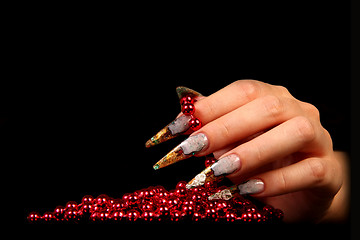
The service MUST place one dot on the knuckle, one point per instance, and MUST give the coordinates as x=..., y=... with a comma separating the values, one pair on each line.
x=283, y=90
x=304, y=129
x=273, y=105
x=283, y=185
x=312, y=110
x=318, y=170
x=224, y=129
x=249, y=88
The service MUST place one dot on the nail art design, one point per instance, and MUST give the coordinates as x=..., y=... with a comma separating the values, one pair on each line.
x=184, y=91
x=216, y=171
x=206, y=175
x=179, y=126
x=226, y=165
x=184, y=150
x=251, y=186
x=224, y=194
x=172, y=130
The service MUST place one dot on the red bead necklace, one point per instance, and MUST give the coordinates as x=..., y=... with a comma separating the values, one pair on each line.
x=156, y=204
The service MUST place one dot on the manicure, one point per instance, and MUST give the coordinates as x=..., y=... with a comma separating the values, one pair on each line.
x=172, y=130
x=226, y=165
x=184, y=150
x=216, y=171
x=251, y=186
x=179, y=126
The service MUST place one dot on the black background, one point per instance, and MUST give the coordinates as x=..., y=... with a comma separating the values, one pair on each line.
x=98, y=84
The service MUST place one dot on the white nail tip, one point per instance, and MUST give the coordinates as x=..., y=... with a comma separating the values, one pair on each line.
x=194, y=144
x=226, y=165
x=251, y=187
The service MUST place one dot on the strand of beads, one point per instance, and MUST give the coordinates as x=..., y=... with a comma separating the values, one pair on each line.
x=188, y=109
x=156, y=204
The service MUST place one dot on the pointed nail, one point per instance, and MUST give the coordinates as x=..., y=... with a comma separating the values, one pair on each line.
x=216, y=171
x=226, y=165
x=224, y=194
x=183, y=91
x=184, y=150
x=251, y=186
x=172, y=130
x=178, y=126
x=207, y=175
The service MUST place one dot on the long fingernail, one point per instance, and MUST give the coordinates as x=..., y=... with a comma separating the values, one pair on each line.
x=251, y=186
x=184, y=91
x=224, y=194
x=172, y=130
x=184, y=150
x=179, y=126
x=216, y=171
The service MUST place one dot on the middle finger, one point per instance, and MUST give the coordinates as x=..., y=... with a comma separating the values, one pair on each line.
x=255, y=116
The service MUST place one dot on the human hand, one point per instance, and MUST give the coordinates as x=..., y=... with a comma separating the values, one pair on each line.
x=260, y=132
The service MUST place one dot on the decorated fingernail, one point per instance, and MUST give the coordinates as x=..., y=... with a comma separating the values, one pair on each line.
x=224, y=194
x=172, y=130
x=184, y=150
x=251, y=186
x=216, y=171
x=180, y=125
x=184, y=91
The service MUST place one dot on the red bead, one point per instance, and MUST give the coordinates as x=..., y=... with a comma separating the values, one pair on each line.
x=159, y=189
x=148, y=215
x=132, y=215
x=186, y=100
x=181, y=192
x=197, y=216
x=33, y=217
x=48, y=217
x=209, y=161
x=103, y=216
x=163, y=210
x=71, y=205
x=87, y=199
x=230, y=216
x=187, y=208
x=176, y=215
x=117, y=215
x=195, y=124
x=181, y=185
x=59, y=212
x=188, y=109
x=86, y=208
x=147, y=206
x=71, y=214
x=210, y=186
x=211, y=212
x=101, y=200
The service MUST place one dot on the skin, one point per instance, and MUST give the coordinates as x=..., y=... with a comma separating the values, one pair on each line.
x=281, y=141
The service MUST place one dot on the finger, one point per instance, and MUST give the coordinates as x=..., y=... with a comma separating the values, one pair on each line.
x=257, y=116
x=277, y=143
x=295, y=135
x=311, y=173
x=218, y=153
x=212, y=107
x=180, y=125
x=230, y=98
